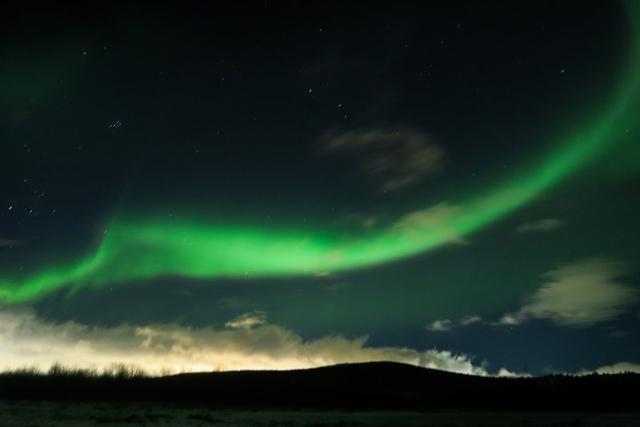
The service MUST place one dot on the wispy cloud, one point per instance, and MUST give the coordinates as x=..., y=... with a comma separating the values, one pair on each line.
x=445, y=325
x=541, y=225
x=442, y=325
x=361, y=220
x=434, y=220
x=7, y=243
x=579, y=294
x=470, y=320
x=247, y=320
x=26, y=340
x=396, y=158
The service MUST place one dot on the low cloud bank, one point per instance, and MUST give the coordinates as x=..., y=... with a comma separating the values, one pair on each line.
x=616, y=368
x=248, y=342
x=27, y=341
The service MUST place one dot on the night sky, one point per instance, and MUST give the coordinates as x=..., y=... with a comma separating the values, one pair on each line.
x=275, y=185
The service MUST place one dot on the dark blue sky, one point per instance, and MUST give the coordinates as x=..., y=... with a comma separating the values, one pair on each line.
x=324, y=115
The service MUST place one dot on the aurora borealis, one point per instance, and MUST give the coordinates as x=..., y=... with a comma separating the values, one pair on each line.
x=149, y=196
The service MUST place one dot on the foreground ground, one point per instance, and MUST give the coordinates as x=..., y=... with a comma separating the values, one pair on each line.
x=53, y=414
x=351, y=387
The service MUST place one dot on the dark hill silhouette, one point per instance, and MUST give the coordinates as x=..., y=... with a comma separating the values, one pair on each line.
x=350, y=386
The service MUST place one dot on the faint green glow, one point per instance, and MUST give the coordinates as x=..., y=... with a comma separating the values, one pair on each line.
x=134, y=250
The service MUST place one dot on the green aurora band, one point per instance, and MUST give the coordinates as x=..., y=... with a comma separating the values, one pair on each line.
x=137, y=250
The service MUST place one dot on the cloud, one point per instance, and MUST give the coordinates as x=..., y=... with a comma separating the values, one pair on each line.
x=432, y=221
x=247, y=320
x=26, y=340
x=396, y=158
x=542, y=225
x=361, y=220
x=445, y=325
x=505, y=373
x=511, y=319
x=579, y=294
x=470, y=320
x=7, y=243
x=616, y=368
x=440, y=325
